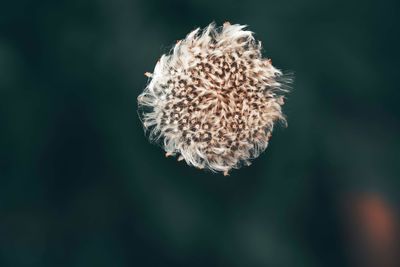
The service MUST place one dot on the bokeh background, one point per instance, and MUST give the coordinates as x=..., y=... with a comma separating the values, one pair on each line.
x=81, y=186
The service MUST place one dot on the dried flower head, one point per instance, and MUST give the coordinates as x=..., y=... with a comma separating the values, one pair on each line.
x=213, y=100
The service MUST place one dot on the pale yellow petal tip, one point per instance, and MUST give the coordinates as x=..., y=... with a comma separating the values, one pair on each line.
x=148, y=74
x=168, y=154
x=226, y=173
x=180, y=158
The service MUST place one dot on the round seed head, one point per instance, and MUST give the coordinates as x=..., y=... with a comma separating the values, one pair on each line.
x=213, y=100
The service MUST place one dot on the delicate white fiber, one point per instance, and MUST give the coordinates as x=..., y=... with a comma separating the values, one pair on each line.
x=213, y=100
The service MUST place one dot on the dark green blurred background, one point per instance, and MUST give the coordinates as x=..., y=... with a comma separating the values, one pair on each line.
x=81, y=186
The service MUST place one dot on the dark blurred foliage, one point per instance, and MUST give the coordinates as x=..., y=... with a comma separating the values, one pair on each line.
x=81, y=186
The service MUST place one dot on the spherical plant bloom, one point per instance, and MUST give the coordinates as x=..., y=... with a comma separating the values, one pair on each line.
x=213, y=100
